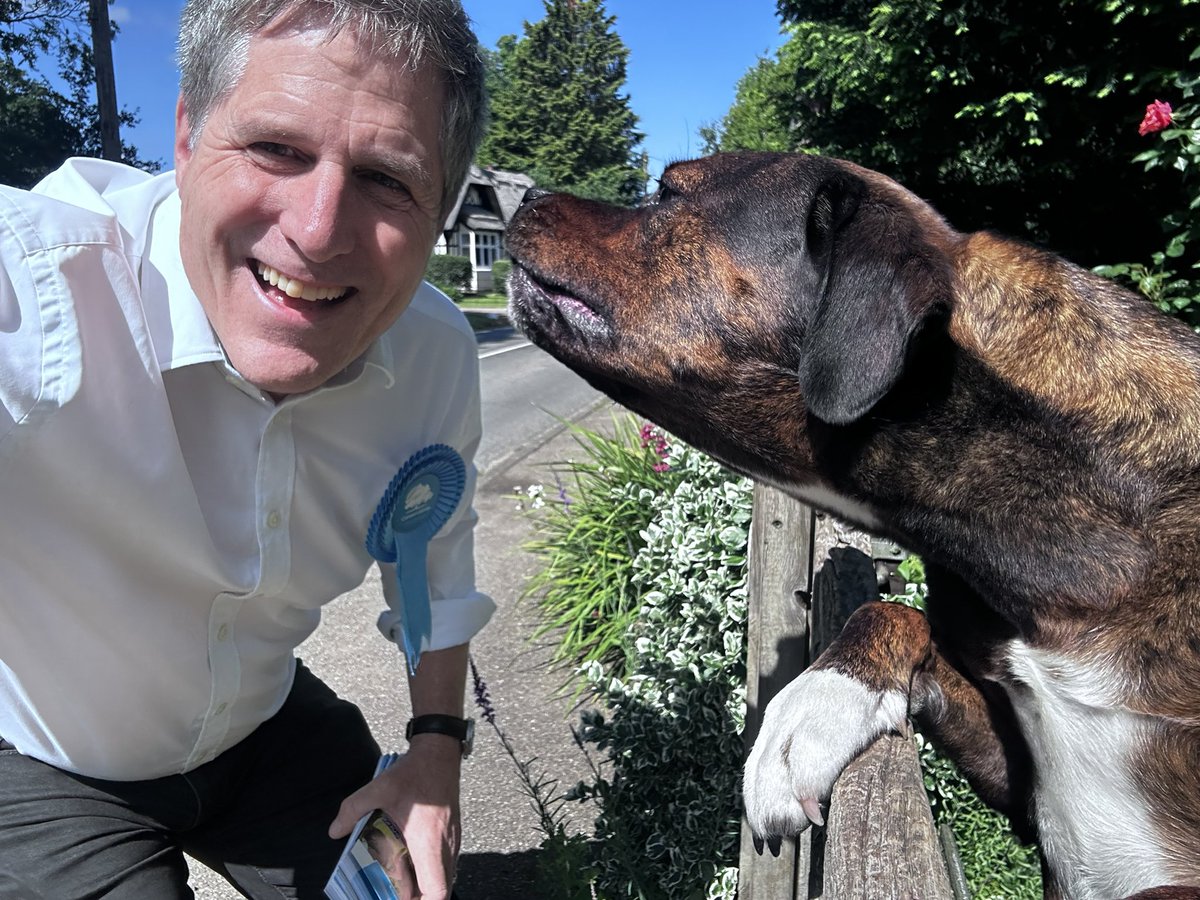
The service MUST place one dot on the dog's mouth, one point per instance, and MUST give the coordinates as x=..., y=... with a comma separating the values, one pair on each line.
x=550, y=314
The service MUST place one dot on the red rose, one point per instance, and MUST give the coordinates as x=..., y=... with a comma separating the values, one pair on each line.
x=1158, y=117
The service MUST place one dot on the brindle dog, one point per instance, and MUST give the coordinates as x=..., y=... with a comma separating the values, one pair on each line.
x=1031, y=429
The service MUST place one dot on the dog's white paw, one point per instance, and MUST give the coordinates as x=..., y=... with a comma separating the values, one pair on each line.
x=811, y=730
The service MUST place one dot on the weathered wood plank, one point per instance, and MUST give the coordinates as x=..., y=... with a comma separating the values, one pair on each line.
x=954, y=866
x=881, y=842
x=807, y=574
x=780, y=572
x=844, y=581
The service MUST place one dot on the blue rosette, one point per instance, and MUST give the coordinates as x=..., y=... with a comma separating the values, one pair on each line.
x=420, y=499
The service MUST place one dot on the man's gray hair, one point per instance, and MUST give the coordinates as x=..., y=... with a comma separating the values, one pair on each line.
x=214, y=39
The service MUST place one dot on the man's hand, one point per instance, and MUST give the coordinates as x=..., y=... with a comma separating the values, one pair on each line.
x=420, y=791
x=420, y=794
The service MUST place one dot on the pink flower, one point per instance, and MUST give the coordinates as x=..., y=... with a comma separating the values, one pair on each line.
x=656, y=441
x=1158, y=117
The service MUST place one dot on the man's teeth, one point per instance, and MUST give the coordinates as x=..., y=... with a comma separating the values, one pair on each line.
x=297, y=289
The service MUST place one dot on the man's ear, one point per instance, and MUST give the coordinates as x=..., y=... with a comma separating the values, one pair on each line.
x=183, y=138
x=879, y=281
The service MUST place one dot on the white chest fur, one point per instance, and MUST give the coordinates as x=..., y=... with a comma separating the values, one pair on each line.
x=1093, y=823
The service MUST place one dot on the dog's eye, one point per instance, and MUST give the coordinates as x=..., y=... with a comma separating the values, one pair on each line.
x=664, y=194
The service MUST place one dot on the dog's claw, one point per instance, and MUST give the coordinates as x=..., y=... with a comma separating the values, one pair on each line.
x=775, y=843
x=758, y=845
x=812, y=809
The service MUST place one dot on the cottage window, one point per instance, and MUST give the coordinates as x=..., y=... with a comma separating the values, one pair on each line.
x=487, y=249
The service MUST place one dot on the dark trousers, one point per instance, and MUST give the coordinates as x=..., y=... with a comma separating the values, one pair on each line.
x=258, y=814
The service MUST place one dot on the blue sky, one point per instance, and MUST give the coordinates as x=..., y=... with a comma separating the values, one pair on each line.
x=685, y=59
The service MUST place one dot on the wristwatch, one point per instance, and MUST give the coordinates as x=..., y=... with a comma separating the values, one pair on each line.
x=462, y=729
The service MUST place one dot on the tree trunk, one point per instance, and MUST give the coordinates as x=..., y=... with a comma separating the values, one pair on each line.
x=106, y=84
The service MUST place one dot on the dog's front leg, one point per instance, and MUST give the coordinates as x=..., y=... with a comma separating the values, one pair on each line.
x=960, y=705
x=973, y=723
x=882, y=666
x=811, y=730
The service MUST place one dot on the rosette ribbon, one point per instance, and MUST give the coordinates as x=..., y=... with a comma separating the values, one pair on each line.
x=419, y=500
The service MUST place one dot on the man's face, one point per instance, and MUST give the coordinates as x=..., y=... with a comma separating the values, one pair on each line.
x=311, y=203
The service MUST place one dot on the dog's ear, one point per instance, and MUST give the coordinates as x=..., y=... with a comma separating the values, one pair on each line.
x=878, y=280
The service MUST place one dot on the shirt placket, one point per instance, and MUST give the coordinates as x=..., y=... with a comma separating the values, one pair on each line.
x=274, y=485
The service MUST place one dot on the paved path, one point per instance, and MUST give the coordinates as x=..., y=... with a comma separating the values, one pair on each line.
x=500, y=828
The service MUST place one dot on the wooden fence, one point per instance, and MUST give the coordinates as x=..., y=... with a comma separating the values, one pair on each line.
x=807, y=574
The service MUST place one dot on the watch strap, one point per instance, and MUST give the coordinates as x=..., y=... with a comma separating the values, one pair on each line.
x=451, y=726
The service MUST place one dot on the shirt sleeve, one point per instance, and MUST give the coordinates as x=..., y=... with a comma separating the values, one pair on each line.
x=56, y=240
x=14, y=345
x=39, y=346
x=458, y=609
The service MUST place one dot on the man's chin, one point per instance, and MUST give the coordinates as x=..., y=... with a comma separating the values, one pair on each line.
x=296, y=374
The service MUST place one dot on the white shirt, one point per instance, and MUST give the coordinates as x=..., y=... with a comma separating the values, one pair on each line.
x=168, y=534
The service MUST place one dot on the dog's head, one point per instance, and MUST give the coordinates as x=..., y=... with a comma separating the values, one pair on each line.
x=750, y=292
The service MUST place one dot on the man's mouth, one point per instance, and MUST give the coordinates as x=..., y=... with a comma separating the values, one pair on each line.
x=296, y=289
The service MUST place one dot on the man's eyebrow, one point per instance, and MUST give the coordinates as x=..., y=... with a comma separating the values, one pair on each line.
x=409, y=166
x=253, y=128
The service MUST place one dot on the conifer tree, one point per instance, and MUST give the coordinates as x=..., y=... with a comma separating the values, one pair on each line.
x=558, y=112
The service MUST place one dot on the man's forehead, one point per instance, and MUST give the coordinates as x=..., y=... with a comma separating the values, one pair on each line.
x=415, y=91
x=310, y=25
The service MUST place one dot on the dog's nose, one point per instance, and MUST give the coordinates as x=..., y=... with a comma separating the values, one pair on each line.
x=535, y=193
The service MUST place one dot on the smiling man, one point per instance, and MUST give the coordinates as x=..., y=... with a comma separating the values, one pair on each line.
x=209, y=381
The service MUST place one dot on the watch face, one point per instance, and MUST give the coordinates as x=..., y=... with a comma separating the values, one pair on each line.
x=469, y=738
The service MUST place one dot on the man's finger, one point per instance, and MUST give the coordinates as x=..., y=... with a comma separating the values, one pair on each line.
x=352, y=809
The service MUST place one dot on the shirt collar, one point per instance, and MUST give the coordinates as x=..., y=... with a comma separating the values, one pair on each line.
x=379, y=356
x=179, y=329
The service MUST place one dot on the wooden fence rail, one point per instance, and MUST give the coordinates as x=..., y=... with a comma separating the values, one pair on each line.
x=807, y=574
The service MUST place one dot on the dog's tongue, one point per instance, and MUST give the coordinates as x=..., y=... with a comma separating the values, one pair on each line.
x=572, y=306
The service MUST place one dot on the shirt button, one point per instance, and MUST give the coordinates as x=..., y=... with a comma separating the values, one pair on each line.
x=273, y=519
x=222, y=632
x=221, y=708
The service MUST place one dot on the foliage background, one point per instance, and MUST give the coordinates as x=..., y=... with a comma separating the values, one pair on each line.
x=557, y=108
x=589, y=530
x=449, y=273
x=40, y=126
x=672, y=731
x=1170, y=278
x=1020, y=116
x=668, y=687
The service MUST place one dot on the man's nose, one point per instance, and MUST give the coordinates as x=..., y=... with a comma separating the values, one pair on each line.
x=316, y=218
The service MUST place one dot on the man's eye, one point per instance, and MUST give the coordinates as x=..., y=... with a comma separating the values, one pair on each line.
x=386, y=181
x=270, y=148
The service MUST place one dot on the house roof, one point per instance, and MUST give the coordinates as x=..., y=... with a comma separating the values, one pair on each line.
x=480, y=219
x=506, y=187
